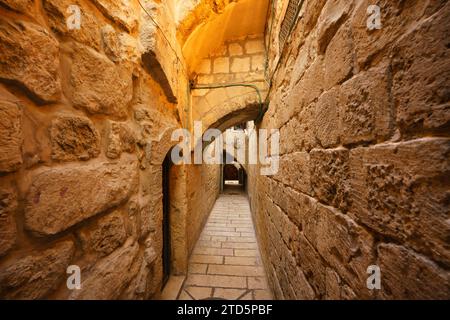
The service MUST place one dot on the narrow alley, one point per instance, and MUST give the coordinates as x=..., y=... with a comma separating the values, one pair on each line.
x=226, y=262
x=123, y=123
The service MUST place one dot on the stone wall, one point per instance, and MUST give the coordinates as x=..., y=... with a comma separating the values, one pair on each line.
x=364, y=161
x=239, y=61
x=203, y=187
x=84, y=129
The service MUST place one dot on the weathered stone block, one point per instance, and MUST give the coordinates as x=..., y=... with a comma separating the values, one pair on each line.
x=35, y=276
x=346, y=246
x=122, y=12
x=8, y=207
x=366, y=107
x=335, y=288
x=107, y=234
x=294, y=171
x=18, y=5
x=107, y=92
x=61, y=197
x=110, y=276
x=120, y=139
x=258, y=63
x=421, y=82
x=333, y=15
x=254, y=46
x=311, y=264
x=326, y=124
x=401, y=191
x=408, y=275
x=58, y=13
x=222, y=65
x=119, y=46
x=204, y=67
x=339, y=58
x=24, y=63
x=235, y=49
x=74, y=138
x=11, y=136
x=329, y=177
x=396, y=19
x=240, y=65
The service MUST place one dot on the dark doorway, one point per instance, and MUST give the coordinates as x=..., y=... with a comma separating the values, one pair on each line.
x=166, y=218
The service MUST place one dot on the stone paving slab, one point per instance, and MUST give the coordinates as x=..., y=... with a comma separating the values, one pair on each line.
x=226, y=262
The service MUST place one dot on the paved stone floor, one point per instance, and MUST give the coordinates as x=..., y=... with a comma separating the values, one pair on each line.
x=226, y=262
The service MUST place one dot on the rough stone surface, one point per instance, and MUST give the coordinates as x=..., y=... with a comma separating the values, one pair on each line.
x=108, y=92
x=120, y=139
x=35, y=276
x=8, y=207
x=61, y=197
x=123, y=12
x=119, y=46
x=400, y=197
x=58, y=14
x=18, y=5
x=407, y=275
x=110, y=276
x=107, y=234
x=74, y=138
x=11, y=135
x=29, y=57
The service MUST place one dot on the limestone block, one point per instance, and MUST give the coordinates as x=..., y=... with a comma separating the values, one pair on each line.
x=258, y=63
x=122, y=12
x=18, y=5
x=58, y=14
x=110, y=276
x=107, y=91
x=37, y=275
x=336, y=289
x=366, y=109
x=421, y=66
x=401, y=191
x=240, y=65
x=11, y=135
x=329, y=176
x=105, y=235
x=222, y=65
x=311, y=263
x=294, y=171
x=29, y=57
x=339, y=58
x=254, y=46
x=61, y=197
x=121, y=138
x=408, y=275
x=326, y=124
x=8, y=207
x=235, y=49
x=119, y=46
x=346, y=246
x=333, y=14
x=396, y=20
x=204, y=67
x=74, y=138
